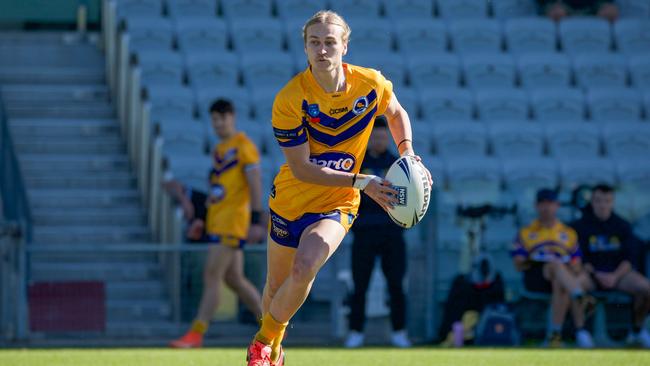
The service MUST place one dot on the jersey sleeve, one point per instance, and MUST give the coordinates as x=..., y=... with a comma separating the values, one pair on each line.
x=573, y=245
x=518, y=247
x=384, y=92
x=287, y=120
x=248, y=154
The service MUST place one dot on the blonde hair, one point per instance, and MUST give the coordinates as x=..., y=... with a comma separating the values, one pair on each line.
x=327, y=17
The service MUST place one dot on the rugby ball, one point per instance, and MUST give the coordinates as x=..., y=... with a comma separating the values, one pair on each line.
x=409, y=178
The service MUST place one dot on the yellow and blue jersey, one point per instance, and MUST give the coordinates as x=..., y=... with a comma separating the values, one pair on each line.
x=336, y=126
x=542, y=244
x=231, y=215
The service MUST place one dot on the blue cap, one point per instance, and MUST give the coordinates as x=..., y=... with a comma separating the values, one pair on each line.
x=546, y=194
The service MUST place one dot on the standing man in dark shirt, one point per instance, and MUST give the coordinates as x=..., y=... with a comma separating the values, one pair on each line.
x=608, y=246
x=375, y=235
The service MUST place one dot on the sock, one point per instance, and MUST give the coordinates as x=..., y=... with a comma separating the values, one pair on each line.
x=276, y=346
x=199, y=326
x=270, y=329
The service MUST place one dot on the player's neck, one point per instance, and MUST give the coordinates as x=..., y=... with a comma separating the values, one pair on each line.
x=332, y=80
x=227, y=135
x=547, y=223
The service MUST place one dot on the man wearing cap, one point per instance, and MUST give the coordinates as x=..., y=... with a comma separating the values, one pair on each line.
x=548, y=254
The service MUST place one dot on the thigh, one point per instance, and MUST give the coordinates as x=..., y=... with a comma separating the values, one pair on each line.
x=218, y=260
x=633, y=282
x=279, y=260
x=319, y=241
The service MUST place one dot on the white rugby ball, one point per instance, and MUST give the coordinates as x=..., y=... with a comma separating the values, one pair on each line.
x=409, y=178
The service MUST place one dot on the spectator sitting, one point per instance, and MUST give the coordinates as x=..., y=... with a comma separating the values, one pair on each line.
x=609, y=246
x=559, y=9
x=193, y=203
x=548, y=253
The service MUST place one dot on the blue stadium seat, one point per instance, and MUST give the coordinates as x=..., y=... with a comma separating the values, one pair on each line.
x=151, y=33
x=460, y=139
x=409, y=100
x=417, y=37
x=181, y=9
x=299, y=9
x=160, y=68
x=577, y=171
x=190, y=169
x=406, y=10
x=446, y=104
x=558, y=104
x=474, y=180
x=422, y=139
x=489, y=71
x=257, y=35
x=353, y=10
x=640, y=71
x=614, y=104
x=633, y=173
x=256, y=131
x=184, y=138
x=293, y=34
x=138, y=8
x=545, y=70
x=440, y=70
x=273, y=71
x=262, y=102
x=632, y=36
x=528, y=174
x=600, y=70
x=502, y=104
x=171, y=102
x=201, y=34
x=533, y=34
x=634, y=8
x=458, y=9
x=585, y=34
x=390, y=64
x=475, y=35
x=213, y=69
x=246, y=9
x=371, y=35
x=572, y=140
x=506, y=9
x=516, y=139
x=205, y=96
x=627, y=140
x=646, y=103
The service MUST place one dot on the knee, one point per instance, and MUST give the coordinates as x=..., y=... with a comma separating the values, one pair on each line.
x=304, y=270
x=233, y=281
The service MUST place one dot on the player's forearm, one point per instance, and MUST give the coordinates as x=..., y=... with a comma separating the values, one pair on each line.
x=311, y=173
x=400, y=128
x=254, y=180
x=622, y=269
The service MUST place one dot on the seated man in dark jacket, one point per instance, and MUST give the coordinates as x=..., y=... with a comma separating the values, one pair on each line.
x=608, y=247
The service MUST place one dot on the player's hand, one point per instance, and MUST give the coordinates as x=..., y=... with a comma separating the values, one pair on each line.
x=211, y=200
x=607, y=280
x=195, y=229
x=256, y=233
x=188, y=209
x=382, y=192
x=419, y=160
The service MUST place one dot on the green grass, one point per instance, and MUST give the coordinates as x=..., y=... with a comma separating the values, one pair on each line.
x=326, y=357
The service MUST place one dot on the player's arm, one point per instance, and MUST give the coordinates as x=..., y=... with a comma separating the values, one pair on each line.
x=177, y=191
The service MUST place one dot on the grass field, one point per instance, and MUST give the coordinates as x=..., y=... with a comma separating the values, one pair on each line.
x=327, y=356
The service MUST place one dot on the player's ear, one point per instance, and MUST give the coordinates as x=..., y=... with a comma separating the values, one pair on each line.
x=345, y=48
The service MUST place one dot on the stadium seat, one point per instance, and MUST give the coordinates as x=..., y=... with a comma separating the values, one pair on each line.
x=213, y=69
x=577, y=171
x=160, y=68
x=646, y=103
x=632, y=36
x=516, y=139
x=171, y=103
x=502, y=104
x=249, y=10
x=544, y=70
x=192, y=9
x=460, y=139
x=528, y=174
x=640, y=71
x=440, y=70
x=475, y=35
x=506, y=9
x=353, y=10
x=499, y=233
x=293, y=34
x=585, y=34
x=474, y=180
x=256, y=131
x=417, y=37
x=422, y=139
x=457, y=9
x=201, y=34
x=633, y=173
x=489, y=71
x=614, y=104
x=627, y=140
x=149, y=34
x=205, y=96
x=273, y=70
x=262, y=102
x=138, y=8
x=257, y=35
x=409, y=100
x=558, y=104
x=406, y=10
x=600, y=70
x=371, y=35
x=634, y=8
x=299, y=9
x=390, y=64
x=187, y=138
x=446, y=105
x=190, y=169
x=572, y=140
x=530, y=35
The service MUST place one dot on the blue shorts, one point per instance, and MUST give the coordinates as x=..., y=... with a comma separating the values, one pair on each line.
x=288, y=233
x=227, y=240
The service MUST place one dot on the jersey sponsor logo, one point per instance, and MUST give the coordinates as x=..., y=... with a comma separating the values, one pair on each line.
x=401, y=195
x=279, y=226
x=340, y=161
x=338, y=110
x=314, y=113
x=218, y=191
x=360, y=105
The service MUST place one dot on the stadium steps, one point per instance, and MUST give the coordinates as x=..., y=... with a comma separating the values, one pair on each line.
x=80, y=184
